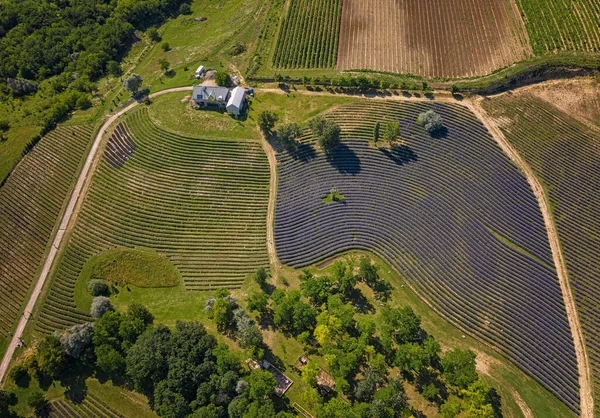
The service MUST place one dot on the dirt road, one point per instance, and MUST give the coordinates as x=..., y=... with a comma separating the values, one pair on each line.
x=66, y=219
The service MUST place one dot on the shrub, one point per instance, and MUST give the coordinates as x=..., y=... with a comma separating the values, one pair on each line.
x=164, y=65
x=165, y=46
x=185, y=9
x=266, y=121
x=97, y=287
x=376, y=132
x=76, y=339
x=431, y=120
x=83, y=102
x=153, y=34
x=238, y=48
x=4, y=125
x=114, y=68
x=327, y=133
x=133, y=82
x=222, y=78
x=19, y=374
x=100, y=306
x=289, y=132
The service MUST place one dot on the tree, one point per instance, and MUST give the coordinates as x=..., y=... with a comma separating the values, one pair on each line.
x=222, y=78
x=459, y=368
x=251, y=337
x=4, y=125
x=147, y=360
x=97, y=287
x=376, y=132
x=165, y=46
x=76, y=339
x=367, y=271
x=222, y=314
x=289, y=132
x=109, y=360
x=365, y=388
x=258, y=302
x=164, y=65
x=451, y=407
x=114, y=68
x=330, y=138
x=153, y=34
x=185, y=9
x=100, y=305
x=317, y=289
x=336, y=408
x=106, y=330
x=310, y=372
x=7, y=399
x=261, y=384
x=169, y=404
x=261, y=276
x=266, y=121
x=362, y=82
x=430, y=392
x=51, y=356
x=133, y=83
x=20, y=374
x=38, y=402
x=431, y=121
x=392, y=131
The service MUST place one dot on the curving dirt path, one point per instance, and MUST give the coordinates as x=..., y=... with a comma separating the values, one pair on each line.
x=583, y=364
x=66, y=219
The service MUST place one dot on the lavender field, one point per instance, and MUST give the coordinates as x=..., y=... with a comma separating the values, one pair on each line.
x=451, y=214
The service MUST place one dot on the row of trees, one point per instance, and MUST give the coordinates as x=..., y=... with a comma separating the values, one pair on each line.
x=361, y=82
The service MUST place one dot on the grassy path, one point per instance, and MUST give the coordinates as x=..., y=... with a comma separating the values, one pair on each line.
x=66, y=219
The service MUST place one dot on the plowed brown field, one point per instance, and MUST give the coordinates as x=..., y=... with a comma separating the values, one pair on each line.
x=431, y=38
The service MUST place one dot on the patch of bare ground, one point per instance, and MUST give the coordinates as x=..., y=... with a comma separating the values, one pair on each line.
x=454, y=38
x=578, y=97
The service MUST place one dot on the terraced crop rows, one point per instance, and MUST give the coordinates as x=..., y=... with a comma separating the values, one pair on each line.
x=308, y=37
x=565, y=155
x=90, y=407
x=431, y=38
x=30, y=205
x=571, y=25
x=201, y=202
x=452, y=214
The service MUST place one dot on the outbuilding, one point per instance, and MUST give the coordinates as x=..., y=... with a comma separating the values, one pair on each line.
x=237, y=101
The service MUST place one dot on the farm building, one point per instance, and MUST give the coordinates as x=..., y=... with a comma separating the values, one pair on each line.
x=210, y=96
x=237, y=101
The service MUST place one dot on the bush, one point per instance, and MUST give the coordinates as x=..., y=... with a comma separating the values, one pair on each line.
x=76, y=339
x=431, y=121
x=185, y=9
x=83, y=102
x=222, y=78
x=289, y=132
x=4, y=125
x=165, y=46
x=327, y=133
x=266, y=121
x=20, y=374
x=114, y=68
x=238, y=48
x=133, y=82
x=100, y=306
x=97, y=287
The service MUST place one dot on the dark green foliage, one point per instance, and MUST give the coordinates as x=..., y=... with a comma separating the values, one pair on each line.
x=292, y=315
x=7, y=399
x=4, y=125
x=97, y=287
x=260, y=276
x=165, y=46
x=109, y=360
x=185, y=9
x=261, y=384
x=42, y=39
x=266, y=121
x=258, y=302
x=19, y=373
x=147, y=359
x=114, y=68
x=222, y=78
x=164, y=65
x=238, y=48
x=317, y=289
x=459, y=367
x=289, y=132
x=326, y=132
x=83, y=102
x=133, y=83
x=365, y=388
x=368, y=272
x=376, y=130
x=153, y=34
x=51, y=356
x=38, y=402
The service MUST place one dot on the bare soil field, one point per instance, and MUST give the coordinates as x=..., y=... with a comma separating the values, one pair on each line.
x=454, y=38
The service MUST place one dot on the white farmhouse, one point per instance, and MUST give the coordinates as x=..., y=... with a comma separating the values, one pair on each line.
x=237, y=101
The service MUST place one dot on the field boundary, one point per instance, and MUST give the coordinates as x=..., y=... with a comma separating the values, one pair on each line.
x=270, y=152
x=64, y=224
x=583, y=365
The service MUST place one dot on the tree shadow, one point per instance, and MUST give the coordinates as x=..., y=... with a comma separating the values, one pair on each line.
x=44, y=380
x=23, y=380
x=496, y=402
x=344, y=160
x=440, y=133
x=301, y=152
x=401, y=154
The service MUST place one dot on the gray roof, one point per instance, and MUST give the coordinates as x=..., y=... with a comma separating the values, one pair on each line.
x=205, y=92
x=237, y=97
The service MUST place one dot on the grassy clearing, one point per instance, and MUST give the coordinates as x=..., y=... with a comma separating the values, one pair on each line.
x=124, y=266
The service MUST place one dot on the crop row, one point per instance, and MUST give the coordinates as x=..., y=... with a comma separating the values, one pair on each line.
x=562, y=24
x=451, y=213
x=202, y=203
x=565, y=156
x=91, y=407
x=308, y=37
x=31, y=202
